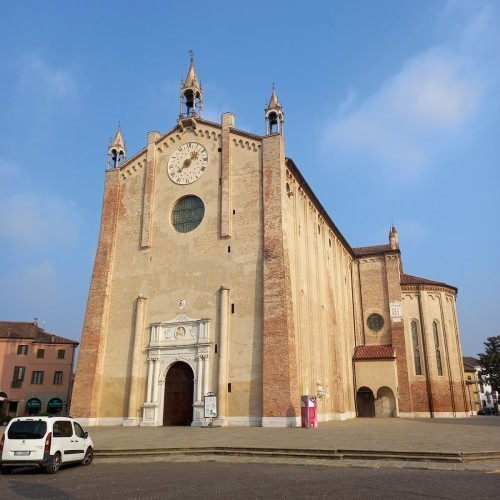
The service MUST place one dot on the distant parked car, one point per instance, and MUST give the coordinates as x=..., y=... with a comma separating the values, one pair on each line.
x=46, y=442
x=487, y=411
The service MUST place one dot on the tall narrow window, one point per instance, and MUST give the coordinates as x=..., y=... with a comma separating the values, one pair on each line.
x=17, y=379
x=58, y=378
x=22, y=349
x=416, y=348
x=40, y=353
x=437, y=347
x=37, y=378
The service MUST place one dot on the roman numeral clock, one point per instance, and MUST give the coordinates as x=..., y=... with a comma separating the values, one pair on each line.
x=187, y=163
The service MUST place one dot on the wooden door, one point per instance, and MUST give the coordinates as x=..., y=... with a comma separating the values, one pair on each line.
x=178, y=402
x=365, y=402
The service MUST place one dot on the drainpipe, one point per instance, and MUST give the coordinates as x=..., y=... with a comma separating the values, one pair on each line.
x=71, y=380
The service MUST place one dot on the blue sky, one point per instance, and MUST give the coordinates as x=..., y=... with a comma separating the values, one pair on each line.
x=392, y=113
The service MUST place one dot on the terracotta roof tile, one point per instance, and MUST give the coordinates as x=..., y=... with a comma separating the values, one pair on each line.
x=470, y=362
x=373, y=249
x=408, y=279
x=374, y=352
x=30, y=331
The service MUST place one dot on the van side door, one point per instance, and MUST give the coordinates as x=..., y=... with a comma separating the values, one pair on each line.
x=74, y=446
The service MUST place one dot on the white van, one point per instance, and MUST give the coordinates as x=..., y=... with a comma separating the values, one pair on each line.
x=47, y=442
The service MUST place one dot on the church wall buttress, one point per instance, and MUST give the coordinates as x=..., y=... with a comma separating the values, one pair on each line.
x=281, y=402
x=452, y=338
x=357, y=304
x=226, y=204
x=393, y=277
x=149, y=186
x=86, y=391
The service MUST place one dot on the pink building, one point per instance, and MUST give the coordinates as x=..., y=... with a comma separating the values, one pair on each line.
x=36, y=370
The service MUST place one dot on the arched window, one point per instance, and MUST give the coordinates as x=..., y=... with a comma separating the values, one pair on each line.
x=437, y=348
x=416, y=348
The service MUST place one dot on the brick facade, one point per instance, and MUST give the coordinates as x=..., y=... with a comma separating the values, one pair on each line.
x=88, y=382
x=280, y=388
x=263, y=301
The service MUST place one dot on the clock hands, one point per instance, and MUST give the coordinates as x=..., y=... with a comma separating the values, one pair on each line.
x=186, y=164
x=187, y=161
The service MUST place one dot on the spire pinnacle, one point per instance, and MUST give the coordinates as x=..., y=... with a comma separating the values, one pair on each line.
x=118, y=140
x=274, y=115
x=116, y=150
x=191, y=93
x=192, y=78
x=274, y=103
x=393, y=238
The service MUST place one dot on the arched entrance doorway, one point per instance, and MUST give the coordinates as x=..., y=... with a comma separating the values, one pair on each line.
x=178, y=400
x=385, y=404
x=365, y=402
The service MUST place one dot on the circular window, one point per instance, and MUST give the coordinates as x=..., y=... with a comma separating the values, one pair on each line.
x=188, y=214
x=375, y=322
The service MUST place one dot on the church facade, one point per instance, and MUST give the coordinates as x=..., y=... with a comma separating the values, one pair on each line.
x=218, y=272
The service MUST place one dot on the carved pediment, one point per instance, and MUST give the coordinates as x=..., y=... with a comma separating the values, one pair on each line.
x=180, y=331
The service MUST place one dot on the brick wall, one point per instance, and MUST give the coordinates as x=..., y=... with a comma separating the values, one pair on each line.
x=87, y=380
x=280, y=387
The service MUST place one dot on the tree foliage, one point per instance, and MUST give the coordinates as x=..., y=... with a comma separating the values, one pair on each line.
x=490, y=361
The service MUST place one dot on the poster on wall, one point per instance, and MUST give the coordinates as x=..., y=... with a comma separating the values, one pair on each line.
x=210, y=405
x=396, y=309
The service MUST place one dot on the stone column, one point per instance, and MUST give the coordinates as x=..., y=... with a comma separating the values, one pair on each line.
x=136, y=362
x=205, y=374
x=223, y=348
x=150, y=380
x=199, y=364
x=155, y=380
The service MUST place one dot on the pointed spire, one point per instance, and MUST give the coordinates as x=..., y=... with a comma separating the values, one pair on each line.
x=118, y=140
x=192, y=78
x=273, y=103
x=116, y=150
x=274, y=115
x=191, y=93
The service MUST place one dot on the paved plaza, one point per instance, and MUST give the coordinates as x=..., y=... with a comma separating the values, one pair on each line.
x=452, y=444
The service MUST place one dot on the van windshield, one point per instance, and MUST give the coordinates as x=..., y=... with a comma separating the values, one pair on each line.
x=27, y=429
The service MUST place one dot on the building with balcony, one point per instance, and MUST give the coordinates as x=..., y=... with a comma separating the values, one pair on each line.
x=36, y=370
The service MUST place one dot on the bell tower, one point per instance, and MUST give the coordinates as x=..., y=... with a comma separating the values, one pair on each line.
x=191, y=94
x=275, y=116
x=116, y=151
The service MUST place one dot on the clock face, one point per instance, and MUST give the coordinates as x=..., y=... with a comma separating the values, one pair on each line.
x=187, y=163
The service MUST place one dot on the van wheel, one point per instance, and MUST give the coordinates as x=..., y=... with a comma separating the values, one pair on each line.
x=89, y=456
x=5, y=470
x=54, y=464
